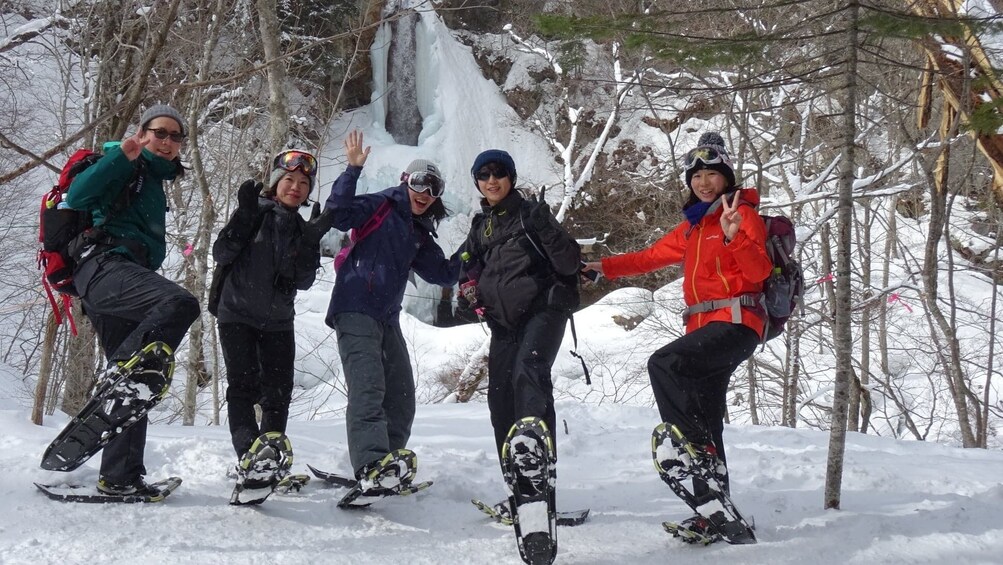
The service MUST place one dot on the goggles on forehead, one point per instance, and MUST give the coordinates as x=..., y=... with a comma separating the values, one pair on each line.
x=295, y=159
x=421, y=182
x=707, y=155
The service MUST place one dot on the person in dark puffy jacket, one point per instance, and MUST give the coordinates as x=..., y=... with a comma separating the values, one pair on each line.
x=368, y=293
x=127, y=301
x=722, y=246
x=525, y=266
x=272, y=252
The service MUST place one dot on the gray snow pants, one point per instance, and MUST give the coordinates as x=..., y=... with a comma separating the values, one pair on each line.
x=380, y=385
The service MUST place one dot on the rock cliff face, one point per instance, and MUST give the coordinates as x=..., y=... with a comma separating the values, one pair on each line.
x=487, y=16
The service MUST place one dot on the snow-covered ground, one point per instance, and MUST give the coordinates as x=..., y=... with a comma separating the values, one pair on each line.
x=903, y=502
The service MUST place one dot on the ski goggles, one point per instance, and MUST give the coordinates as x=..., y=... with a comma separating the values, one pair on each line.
x=295, y=159
x=161, y=133
x=707, y=155
x=422, y=182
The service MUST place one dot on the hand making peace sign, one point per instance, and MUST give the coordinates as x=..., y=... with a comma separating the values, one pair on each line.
x=730, y=217
x=133, y=146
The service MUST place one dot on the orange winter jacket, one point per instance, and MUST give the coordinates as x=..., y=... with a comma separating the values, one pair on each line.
x=712, y=269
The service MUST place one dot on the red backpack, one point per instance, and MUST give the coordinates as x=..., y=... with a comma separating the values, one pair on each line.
x=59, y=226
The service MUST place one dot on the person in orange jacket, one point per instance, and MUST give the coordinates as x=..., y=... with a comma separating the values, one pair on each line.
x=722, y=245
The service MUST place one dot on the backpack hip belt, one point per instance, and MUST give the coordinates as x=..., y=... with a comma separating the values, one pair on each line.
x=753, y=300
x=96, y=241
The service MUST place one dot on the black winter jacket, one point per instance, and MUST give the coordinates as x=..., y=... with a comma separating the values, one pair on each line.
x=270, y=263
x=516, y=277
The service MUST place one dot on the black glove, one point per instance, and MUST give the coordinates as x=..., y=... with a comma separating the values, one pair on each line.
x=539, y=214
x=319, y=224
x=247, y=197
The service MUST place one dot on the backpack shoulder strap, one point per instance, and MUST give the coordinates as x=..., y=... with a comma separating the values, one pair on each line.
x=374, y=221
x=133, y=187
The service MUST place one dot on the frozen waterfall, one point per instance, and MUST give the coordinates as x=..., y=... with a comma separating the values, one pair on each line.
x=403, y=119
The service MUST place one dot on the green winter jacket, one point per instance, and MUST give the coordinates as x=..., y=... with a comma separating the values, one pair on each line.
x=144, y=220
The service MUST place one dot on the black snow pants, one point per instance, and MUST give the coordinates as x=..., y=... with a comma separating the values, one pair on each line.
x=131, y=306
x=690, y=376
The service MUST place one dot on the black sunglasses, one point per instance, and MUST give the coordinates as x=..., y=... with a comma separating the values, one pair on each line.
x=161, y=133
x=487, y=172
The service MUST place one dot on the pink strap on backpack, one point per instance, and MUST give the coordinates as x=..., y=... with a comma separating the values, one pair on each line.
x=357, y=235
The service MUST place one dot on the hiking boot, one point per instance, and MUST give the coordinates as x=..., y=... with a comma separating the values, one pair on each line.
x=396, y=470
x=680, y=458
x=139, y=487
x=697, y=530
x=266, y=463
x=258, y=468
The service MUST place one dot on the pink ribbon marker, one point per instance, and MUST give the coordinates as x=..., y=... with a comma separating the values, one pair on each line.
x=894, y=297
x=188, y=250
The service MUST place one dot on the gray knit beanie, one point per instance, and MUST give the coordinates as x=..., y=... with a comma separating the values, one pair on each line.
x=162, y=110
x=423, y=166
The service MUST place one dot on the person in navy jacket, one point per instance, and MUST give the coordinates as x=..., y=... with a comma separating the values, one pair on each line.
x=368, y=292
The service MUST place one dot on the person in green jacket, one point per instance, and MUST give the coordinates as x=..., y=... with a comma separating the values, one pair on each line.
x=127, y=301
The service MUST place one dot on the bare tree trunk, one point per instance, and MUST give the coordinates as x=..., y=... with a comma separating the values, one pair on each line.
x=45, y=370
x=853, y=420
x=81, y=362
x=196, y=265
x=750, y=374
x=474, y=373
x=278, y=108
x=982, y=435
x=792, y=374
x=843, y=331
x=931, y=285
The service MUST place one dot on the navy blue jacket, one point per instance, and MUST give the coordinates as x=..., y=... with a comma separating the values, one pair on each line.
x=374, y=276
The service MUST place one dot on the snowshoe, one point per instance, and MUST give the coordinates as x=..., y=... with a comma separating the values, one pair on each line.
x=529, y=466
x=393, y=475
x=676, y=459
x=124, y=394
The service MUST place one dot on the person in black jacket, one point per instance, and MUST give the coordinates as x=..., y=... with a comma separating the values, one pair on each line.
x=272, y=252
x=525, y=267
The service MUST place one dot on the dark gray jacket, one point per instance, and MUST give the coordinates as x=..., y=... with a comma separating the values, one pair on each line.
x=270, y=263
x=516, y=277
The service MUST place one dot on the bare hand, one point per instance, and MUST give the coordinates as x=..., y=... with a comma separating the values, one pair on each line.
x=353, y=149
x=133, y=146
x=593, y=266
x=730, y=217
